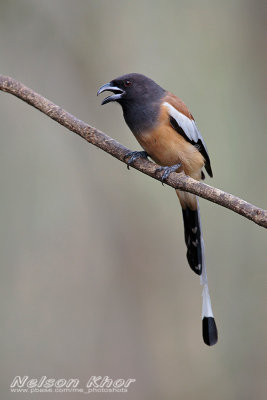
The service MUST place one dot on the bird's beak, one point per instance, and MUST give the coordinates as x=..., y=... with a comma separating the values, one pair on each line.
x=118, y=93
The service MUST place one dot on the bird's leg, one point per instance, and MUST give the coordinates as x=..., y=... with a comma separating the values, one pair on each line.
x=134, y=155
x=167, y=171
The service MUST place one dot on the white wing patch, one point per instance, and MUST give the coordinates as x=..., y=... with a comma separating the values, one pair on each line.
x=189, y=132
x=188, y=125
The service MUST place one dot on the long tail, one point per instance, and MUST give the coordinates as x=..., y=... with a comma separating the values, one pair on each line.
x=196, y=259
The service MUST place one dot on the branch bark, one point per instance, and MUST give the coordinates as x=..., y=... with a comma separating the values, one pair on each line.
x=111, y=146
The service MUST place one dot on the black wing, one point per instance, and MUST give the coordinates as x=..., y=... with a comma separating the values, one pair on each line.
x=187, y=128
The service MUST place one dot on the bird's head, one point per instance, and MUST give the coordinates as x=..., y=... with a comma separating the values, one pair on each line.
x=131, y=88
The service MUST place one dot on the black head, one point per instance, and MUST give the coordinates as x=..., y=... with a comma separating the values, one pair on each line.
x=133, y=87
x=140, y=98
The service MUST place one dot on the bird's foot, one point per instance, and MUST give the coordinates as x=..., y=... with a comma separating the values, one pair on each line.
x=134, y=155
x=167, y=171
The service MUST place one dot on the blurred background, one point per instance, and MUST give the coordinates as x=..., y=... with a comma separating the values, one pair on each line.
x=94, y=278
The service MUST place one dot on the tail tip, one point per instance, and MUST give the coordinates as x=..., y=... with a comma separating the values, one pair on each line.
x=209, y=331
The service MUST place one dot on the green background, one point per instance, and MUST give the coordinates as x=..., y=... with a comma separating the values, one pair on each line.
x=94, y=278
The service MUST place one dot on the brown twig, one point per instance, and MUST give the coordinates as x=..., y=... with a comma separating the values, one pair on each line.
x=111, y=146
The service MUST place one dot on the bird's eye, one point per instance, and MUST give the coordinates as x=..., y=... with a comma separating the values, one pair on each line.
x=127, y=83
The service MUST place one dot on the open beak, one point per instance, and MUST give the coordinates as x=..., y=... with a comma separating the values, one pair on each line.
x=118, y=93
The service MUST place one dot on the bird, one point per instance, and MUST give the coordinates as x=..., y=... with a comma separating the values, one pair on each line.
x=166, y=130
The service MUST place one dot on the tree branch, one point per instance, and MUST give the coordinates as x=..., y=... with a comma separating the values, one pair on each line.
x=111, y=146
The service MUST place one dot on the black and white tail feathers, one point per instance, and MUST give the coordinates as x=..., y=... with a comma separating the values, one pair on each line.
x=196, y=259
x=192, y=235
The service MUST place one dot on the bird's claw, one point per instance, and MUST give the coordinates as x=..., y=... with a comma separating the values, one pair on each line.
x=134, y=155
x=167, y=171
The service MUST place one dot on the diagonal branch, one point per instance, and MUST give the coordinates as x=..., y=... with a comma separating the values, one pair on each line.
x=111, y=146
